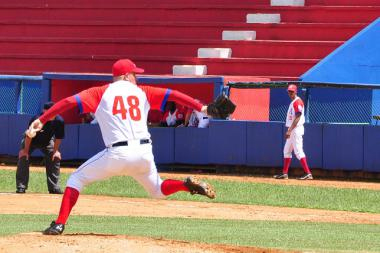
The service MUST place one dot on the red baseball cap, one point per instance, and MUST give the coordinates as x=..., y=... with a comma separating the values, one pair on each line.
x=292, y=87
x=125, y=66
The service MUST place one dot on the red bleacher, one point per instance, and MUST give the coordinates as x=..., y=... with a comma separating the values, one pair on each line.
x=88, y=35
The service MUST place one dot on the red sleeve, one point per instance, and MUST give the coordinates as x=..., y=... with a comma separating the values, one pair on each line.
x=59, y=107
x=298, y=106
x=157, y=98
x=87, y=101
x=185, y=100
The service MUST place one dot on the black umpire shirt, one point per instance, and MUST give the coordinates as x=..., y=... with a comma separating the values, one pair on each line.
x=52, y=128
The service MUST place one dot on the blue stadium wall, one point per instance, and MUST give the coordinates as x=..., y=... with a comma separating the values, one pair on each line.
x=247, y=143
x=254, y=144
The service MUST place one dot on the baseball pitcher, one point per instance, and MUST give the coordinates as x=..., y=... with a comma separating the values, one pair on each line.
x=121, y=109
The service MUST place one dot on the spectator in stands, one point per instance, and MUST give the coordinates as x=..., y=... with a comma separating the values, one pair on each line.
x=47, y=141
x=174, y=115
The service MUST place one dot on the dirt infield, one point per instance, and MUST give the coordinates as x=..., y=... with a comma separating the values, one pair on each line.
x=11, y=203
x=36, y=242
x=140, y=207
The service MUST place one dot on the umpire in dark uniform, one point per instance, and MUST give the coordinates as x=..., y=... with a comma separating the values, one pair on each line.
x=48, y=141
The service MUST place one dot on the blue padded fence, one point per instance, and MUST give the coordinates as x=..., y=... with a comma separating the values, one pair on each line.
x=371, y=156
x=191, y=145
x=17, y=124
x=163, y=144
x=264, y=144
x=255, y=144
x=313, y=146
x=4, y=133
x=343, y=147
x=227, y=142
x=70, y=144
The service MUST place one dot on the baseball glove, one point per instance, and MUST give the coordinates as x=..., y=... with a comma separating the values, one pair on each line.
x=221, y=107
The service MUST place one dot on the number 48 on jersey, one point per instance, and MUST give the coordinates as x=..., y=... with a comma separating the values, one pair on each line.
x=133, y=107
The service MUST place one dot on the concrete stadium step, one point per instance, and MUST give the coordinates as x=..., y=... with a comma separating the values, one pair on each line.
x=165, y=47
x=191, y=13
x=178, y=30
x=154, y=65
x=287, y=2
x=194, y=70
x=325, y=14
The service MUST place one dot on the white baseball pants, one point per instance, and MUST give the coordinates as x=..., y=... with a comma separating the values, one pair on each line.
x=135, y=160
x=295, y=143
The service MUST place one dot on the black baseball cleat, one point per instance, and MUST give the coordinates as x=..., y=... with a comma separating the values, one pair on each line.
x=56, y=191
x=54, y=229
x=306, y=177
x=281, y=176
x=20, y=190
x=196, y=186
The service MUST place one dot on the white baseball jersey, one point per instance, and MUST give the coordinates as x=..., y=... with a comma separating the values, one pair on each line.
x=199, y=119
x=296, y=106
x=121, y=109
x=295, y=140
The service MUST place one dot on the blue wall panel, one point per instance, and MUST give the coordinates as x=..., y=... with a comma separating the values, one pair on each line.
x=4, y=135
x=313, y=145
x=264, y=144
x=371, y=148
x=69, y=146
x=191, y=145
x=163, y=144
x=17, y=126
x=343, y=147
x=90, y=141
x=227, y=142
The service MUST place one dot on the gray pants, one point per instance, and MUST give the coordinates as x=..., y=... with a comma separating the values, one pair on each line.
x=52, y=168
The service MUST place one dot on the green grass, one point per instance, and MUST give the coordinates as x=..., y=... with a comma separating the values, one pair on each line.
x=268, y=234
x=356, y=200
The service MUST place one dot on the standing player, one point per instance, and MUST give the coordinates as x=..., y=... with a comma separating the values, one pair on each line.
x=295, y=119
x=121, y=109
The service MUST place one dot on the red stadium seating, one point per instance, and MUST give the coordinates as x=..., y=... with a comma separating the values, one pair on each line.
x=88, y=35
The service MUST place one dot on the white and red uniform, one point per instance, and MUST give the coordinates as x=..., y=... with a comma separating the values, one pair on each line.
x=198, y=119
x=295, y=141
x=121, y=109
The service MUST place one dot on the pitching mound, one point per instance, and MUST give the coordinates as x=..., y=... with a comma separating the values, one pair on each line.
x=35, y=242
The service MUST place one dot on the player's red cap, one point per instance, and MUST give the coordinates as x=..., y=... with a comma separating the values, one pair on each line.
x=125, y=66
x=292, y=87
